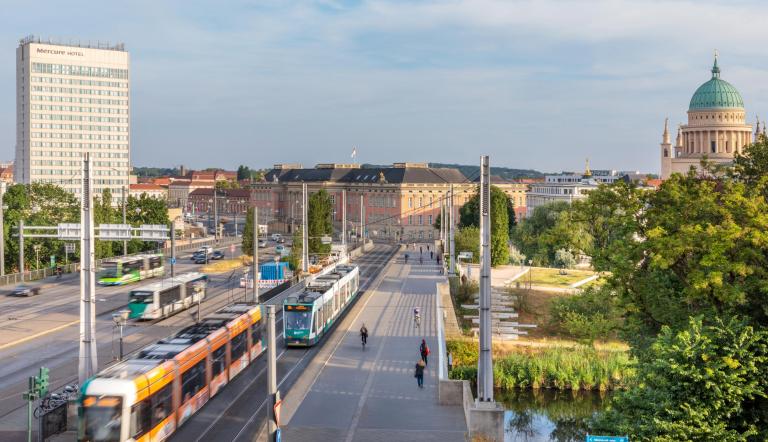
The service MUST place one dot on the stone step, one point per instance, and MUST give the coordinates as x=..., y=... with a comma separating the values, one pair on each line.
x=494, y=315
x=496, y=323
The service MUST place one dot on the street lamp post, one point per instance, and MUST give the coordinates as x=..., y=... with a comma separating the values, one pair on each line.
x=36, y=248
x=2, y=228
x=120, y=318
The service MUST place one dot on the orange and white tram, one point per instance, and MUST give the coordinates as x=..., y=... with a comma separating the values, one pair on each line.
x=147, y=397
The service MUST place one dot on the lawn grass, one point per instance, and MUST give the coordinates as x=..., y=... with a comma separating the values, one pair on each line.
x=549, y=277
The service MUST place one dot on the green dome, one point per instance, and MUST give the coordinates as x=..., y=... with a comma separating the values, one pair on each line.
x=716, y=94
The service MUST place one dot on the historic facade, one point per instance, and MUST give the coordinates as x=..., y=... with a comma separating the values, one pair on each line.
x=716, y=128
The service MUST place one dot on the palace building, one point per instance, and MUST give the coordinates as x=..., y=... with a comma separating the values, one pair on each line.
x=716, y=128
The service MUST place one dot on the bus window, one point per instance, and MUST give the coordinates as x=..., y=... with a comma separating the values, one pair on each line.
x=141, y=421
x=170, y=296
x=218, y=360
x=192, y=381
x=101, y=418
x=238, y=346
x=131, y=266
x=155, y=262
x=161, y=404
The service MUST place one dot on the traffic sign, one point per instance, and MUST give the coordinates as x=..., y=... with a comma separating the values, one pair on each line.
x=173, y=260
x=326, y=239
x=69, y=247
x=591, y=438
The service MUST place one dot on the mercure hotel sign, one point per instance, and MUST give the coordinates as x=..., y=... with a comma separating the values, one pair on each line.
x=59, y=52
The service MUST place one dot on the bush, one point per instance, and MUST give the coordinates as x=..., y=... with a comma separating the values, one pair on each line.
x=592, y=314
x=462, y=292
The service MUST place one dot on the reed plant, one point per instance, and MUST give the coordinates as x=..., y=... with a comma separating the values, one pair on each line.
x=579, y=368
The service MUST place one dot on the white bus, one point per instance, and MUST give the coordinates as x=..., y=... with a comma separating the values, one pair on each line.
x=167, y=297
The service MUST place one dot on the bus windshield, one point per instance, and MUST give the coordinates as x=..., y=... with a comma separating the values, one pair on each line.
x=109, y=271
x=141, y=297
x=101, y=418
x=297, y=320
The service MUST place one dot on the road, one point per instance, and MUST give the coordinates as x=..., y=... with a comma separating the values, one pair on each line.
x=44, y=331
x=237, y=413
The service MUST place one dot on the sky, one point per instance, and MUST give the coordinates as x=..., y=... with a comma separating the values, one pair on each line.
x=533, y=84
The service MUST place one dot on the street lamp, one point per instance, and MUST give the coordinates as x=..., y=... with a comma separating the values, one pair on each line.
x=120, y=318
x=36, y=248
x=530, y=274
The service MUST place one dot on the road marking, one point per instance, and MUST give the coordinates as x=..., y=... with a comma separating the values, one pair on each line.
x=37, y=335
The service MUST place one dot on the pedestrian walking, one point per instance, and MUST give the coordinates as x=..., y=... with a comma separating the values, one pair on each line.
x=424, y=350
x=431, y=255
x=419, y=373
x=421, y=250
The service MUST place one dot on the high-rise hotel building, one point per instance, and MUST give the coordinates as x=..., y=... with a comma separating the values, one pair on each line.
x=72, y=99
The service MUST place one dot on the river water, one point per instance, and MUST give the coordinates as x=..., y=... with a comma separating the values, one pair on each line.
x=548, y=415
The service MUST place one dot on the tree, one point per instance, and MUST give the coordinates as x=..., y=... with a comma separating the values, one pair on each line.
x=248, y=234
x=294, y=259
x=243, y=173
x=751, y=166
x=469, y=215
x=702, y=383
x=564, y=259
x=550, y=227
x=145, y=210
x=104, y=213
x=37, y=204
x=319, y=221
x=227, y=184
x=468, y=240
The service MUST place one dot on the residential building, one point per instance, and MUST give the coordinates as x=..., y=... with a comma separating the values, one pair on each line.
x=6, y=172
x=151, y=190
x=228, y=201
x=72, y=99
x=716, y=128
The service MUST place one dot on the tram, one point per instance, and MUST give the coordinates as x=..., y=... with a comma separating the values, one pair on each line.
x=167, y=297
x=308, y=315
x=146, y=398
x=130, y=269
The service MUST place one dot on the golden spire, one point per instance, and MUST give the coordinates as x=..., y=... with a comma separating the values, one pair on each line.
x=587, y=172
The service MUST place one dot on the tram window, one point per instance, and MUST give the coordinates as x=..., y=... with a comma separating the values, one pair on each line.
x=315, y=321
x=255, y=333
x=192, y=381
x=218, y=360
x=161, y=404
x=170, y=296
x=131, y=266
x=238, y=346
x=141, y=421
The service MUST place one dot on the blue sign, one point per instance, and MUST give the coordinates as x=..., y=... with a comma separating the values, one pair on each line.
x=277, y=436
x=607, y=438
x=173, y=260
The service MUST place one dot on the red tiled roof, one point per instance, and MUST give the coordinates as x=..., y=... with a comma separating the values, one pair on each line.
x=146, y=186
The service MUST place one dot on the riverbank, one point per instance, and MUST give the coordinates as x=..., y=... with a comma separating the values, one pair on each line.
x=561, y=368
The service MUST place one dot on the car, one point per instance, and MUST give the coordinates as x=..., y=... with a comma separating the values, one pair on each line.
x=281, y=240
x=217, y=255
x=200, y=259
x=25, y=290
x=279, y=248
x=205, y=249
x=262, y=244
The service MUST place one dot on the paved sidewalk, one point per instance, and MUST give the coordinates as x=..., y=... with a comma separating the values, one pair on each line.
x=371, y=394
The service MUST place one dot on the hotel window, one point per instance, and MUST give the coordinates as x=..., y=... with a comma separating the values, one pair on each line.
x=429, y=219
x=421, y=218
x=410, y=202
x=410, y=220
x=421, y=202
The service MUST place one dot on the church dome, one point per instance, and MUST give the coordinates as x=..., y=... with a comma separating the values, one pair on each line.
x=716, y=94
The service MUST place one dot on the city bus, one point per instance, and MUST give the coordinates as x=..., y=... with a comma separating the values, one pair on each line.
x=149, y=395
x=130, y=269
x=310, y=314
x=167, y=297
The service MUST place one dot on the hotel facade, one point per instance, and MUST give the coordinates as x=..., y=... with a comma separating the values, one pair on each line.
x=72, y=99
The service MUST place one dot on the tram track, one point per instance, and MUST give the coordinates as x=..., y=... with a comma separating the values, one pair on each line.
x=230, y=423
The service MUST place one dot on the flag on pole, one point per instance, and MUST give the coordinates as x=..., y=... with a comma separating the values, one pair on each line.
x=354, y=152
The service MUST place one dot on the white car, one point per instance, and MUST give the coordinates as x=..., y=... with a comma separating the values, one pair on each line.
x=276, y=237
x=262, y=244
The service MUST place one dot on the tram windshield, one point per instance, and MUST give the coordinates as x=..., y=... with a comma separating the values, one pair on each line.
x=101, y=418
x=298, y=320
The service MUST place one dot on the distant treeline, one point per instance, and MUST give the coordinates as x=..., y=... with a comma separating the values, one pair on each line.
x=155, y=171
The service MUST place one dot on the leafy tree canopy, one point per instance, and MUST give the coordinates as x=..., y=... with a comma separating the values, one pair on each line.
x=319, y=221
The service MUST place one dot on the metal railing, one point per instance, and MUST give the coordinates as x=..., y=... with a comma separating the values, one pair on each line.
x=36, y=275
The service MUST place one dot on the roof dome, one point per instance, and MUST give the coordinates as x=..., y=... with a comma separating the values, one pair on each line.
x=716, y=94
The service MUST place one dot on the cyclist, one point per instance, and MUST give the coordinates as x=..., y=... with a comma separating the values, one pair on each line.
x=364, y=335
x=416, y=316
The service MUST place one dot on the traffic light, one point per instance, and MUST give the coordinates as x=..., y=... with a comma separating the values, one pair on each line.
x=43, y=381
